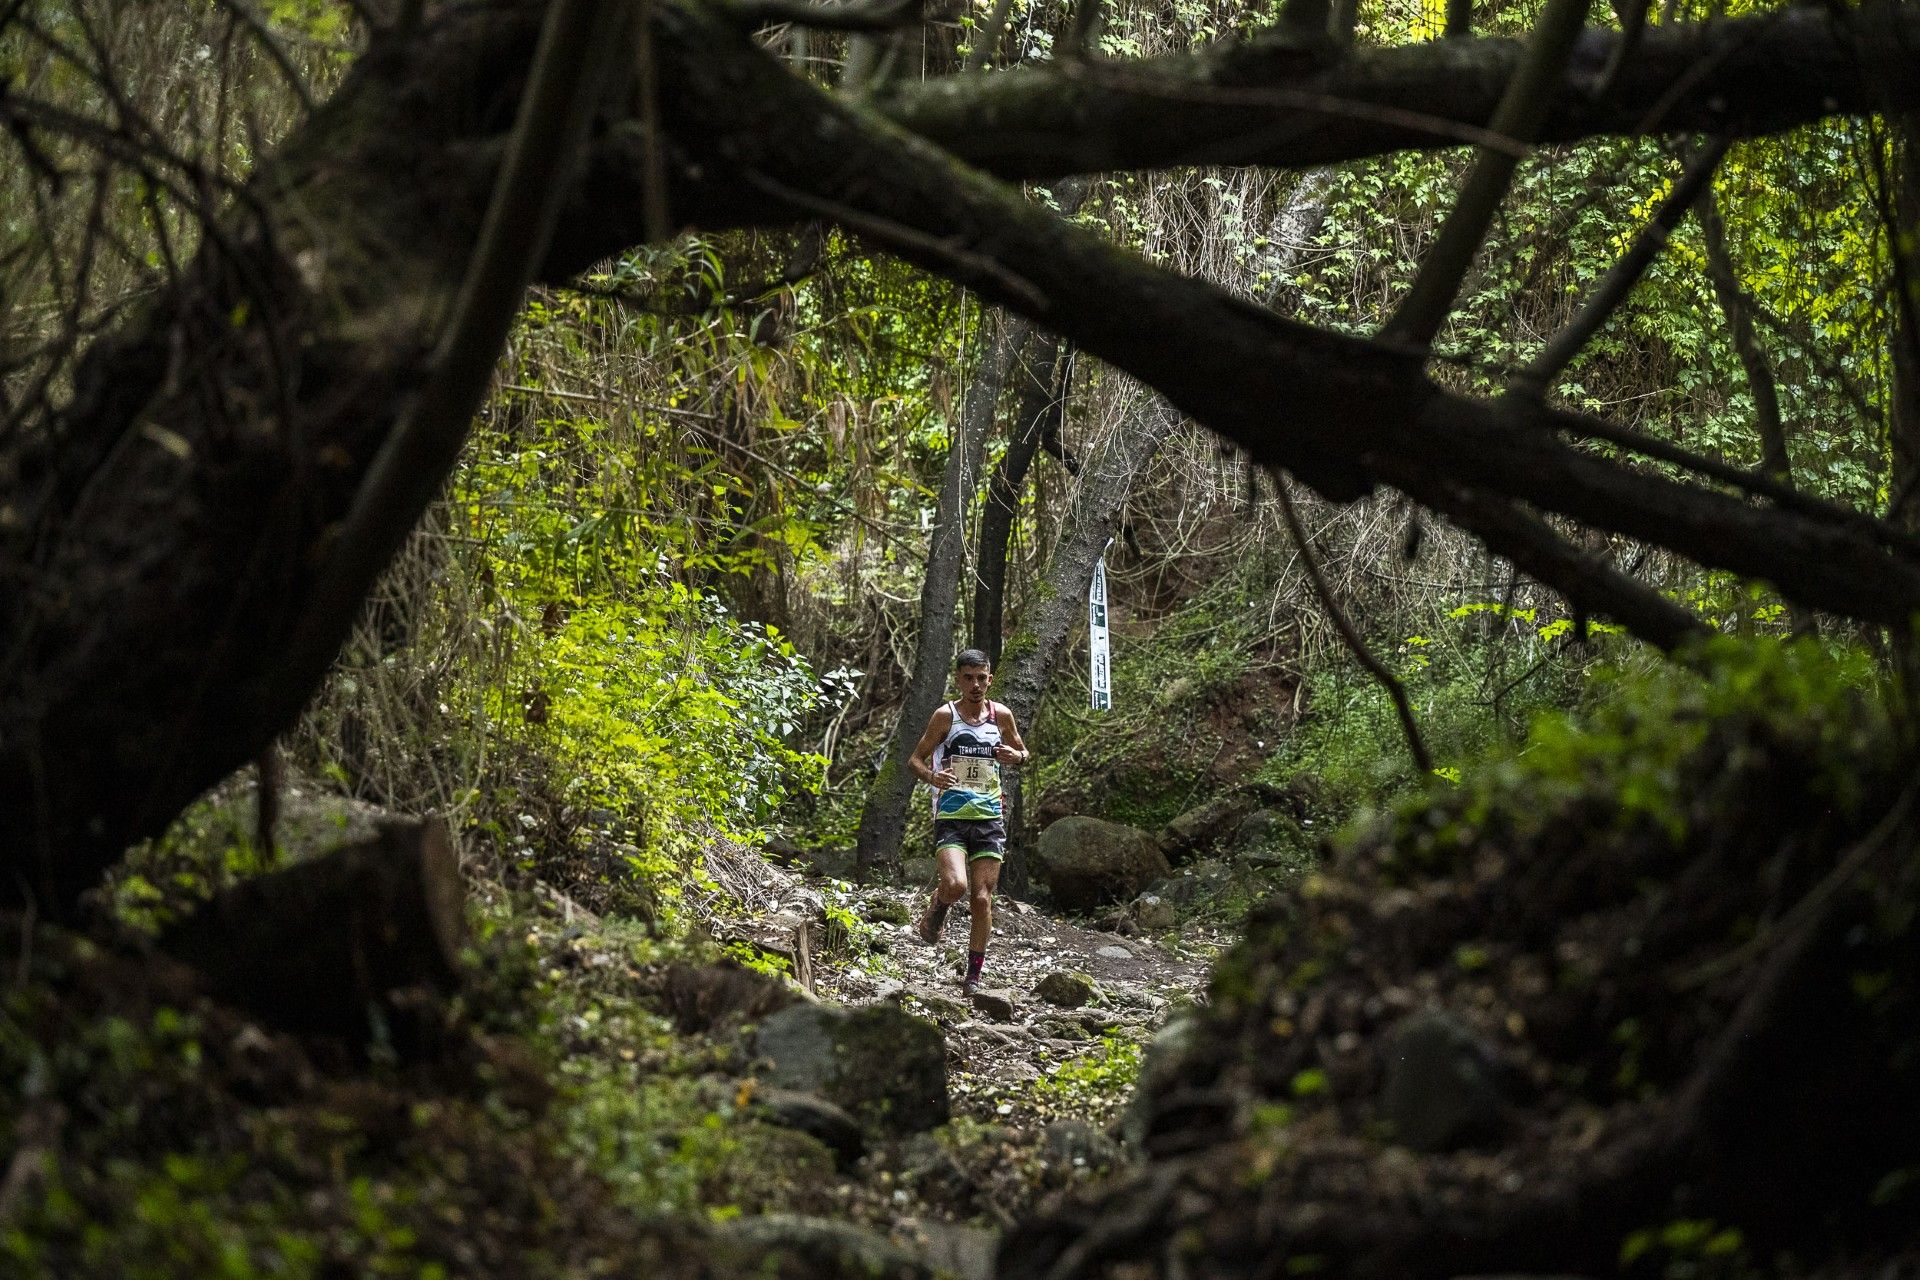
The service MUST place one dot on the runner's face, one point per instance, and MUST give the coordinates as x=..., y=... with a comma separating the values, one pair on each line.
x=973, y=684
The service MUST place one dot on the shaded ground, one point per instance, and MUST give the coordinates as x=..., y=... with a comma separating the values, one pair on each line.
x=1003, y=1045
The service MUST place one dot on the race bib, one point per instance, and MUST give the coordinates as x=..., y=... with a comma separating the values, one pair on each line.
x=973, y=772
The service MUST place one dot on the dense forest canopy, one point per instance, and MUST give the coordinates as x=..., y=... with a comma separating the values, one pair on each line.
x=329, y=306
x=597, y=423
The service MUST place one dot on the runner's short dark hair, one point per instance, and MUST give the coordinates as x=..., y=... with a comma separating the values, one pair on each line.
x=972, y=658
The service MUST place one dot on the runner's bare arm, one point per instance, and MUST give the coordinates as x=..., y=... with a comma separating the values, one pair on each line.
x=1013, y=748
x=921, y=761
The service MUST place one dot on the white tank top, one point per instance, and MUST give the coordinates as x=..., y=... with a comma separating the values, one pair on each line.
x=968, y=751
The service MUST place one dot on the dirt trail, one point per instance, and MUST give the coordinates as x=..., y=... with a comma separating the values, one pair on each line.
x=1008, y=1037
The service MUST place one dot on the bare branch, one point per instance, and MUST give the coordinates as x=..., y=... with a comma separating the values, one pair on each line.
x=850, y=15
x=1522, y=112
x=244, y=14
x=1739, y=315
x=1613, y=288
x=1356, y=645
x=1278, y=102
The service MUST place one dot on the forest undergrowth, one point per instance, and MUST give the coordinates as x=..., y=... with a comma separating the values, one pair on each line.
x=591, y=1100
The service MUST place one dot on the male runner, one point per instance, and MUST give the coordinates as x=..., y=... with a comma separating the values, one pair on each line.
x=959, y=756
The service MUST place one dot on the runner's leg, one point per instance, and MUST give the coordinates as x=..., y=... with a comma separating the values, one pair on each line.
x=983, y=877
x=949, y=889
x=953, y=874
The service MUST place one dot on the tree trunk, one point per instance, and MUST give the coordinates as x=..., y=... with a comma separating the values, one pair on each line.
x=1042, y=401
x=313, y=948
x=1036, y=425
x=181, y=539
x=1102, y=491
x=1904, y=429
x=1738, y=310
x=883, y=819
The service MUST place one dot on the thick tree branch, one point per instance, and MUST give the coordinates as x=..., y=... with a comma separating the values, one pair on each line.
x=1292, y=103
x=1342, y=414
x=578, y=48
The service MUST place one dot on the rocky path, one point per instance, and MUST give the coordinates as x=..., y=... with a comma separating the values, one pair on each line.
x=1041, y=1062
x=1058, y=993
x=1054, y=992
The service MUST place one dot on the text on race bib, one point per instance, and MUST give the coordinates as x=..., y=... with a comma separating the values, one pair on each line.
x=972, y=771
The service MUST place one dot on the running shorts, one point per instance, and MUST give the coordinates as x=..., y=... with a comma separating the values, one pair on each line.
x=979, y=837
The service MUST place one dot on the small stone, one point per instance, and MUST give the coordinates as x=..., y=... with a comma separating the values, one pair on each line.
x=1152, y=913
x=1088, y=863
x=1066, y=988
x=997, y=1005
x=1077, y=1144
x=1114, y=953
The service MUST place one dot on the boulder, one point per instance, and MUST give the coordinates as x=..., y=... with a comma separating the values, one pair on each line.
x=1442, y=1084
x=1196, y=884
x=835, y=1129
x=1066, y=988
x=781, y=1245
x=1206, y=824
x=1088, y=862
x=1159, y=1064
x=1057, y=1028
x=950, y=1248
x=700, y=997
x=996, y=1004
x=1265, y=830
x=877, y=1061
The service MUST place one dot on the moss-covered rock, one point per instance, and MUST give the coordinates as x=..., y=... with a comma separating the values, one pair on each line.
x=884, y=1065
x=1087, y=862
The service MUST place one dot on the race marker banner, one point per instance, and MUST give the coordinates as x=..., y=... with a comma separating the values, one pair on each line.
x=1101, y=681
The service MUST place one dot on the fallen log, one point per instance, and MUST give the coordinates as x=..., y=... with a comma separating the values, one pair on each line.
x=322, y=946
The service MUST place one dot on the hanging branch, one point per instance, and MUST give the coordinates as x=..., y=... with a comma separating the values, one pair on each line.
x=244, y=14
x=988, y=37
x=879, y=15
x=1416, y=746
x=1536, y=379
x=576, y=52
x=1523, y=111
x=1734, y=305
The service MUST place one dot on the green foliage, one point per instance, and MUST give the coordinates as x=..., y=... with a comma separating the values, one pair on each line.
x=1178, y=691
x=1634, y=732
x=1686, y=1249
x=1484, y=671
x=1094, y=1084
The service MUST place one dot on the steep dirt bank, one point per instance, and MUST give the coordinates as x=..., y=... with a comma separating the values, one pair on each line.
x=1644, y=999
